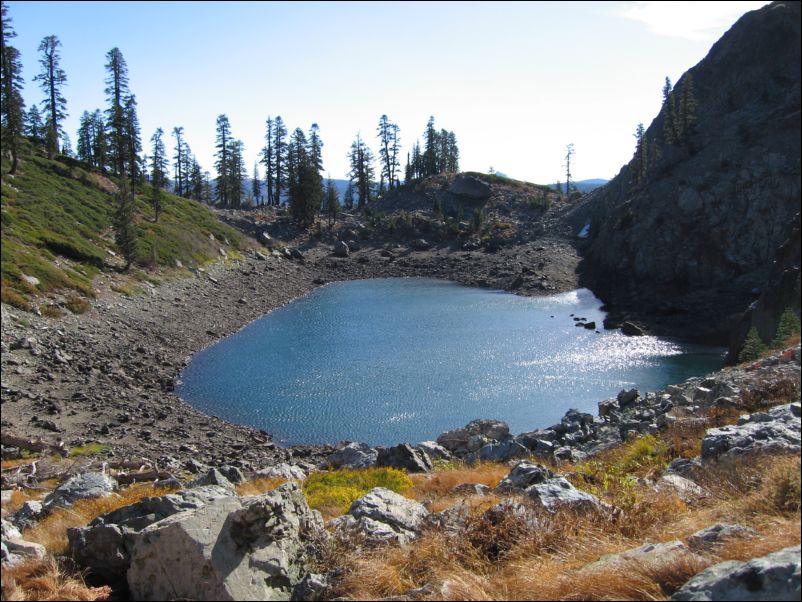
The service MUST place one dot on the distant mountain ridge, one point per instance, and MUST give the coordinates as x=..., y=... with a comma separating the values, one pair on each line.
x=584, y=186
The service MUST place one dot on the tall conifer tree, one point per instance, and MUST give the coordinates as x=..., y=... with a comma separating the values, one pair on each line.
x=51, y=79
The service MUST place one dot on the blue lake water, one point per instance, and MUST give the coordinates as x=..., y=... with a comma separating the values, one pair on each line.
x=403, y=359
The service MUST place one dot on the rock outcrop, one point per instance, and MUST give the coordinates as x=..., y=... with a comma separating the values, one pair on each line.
x=772, y=577
x=777, y=430
x=382, y=516
x=686, y=246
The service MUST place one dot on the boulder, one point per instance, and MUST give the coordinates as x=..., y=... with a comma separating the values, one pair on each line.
x=341, y=249
x=353, y=455
x=291, y=472
x=471, y=489
x=684, y=488
x=405, y=457
x=630, y=330
x=772, y=577
x=470, y=187
x=27, y=516
x=231, y=549
x=383, y=516
x=777, y=430
x=104, y=546
x=213, y=477
x=558, y=492
x=420, y=244
x=501, y=452
x=523, y=475
x=474, y=435
x=82, y=486
x=714, y=536
x=312, y=587
x=627, y=397
x=232, y=474
x=434, y=451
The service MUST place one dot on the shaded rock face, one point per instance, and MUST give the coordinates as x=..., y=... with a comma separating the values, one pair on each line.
x=772, y=577
x=405, y=457
x=686, y=248
x=353, y=455
x=470, y=188
x=231, y=549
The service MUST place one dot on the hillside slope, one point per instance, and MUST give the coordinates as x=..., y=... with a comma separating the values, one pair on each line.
x=57, y=229
x=688, y=248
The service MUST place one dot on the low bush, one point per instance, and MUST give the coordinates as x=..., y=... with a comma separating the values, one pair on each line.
x=333, y=492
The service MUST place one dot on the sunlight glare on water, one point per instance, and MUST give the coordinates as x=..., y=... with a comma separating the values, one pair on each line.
x=392, y=360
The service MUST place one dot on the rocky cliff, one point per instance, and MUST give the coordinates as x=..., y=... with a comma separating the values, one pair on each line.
x=686, y=240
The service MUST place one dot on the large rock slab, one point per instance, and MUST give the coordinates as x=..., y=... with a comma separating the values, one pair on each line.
x=353, y=455
x=523, y=475
x=104, y=545
x=82, y=486
x=470, y=187
x=777, y=430
x=473, y=436
x=772, y=577
x=231, y=549
x=714, y=536
x=383, y=516
x=559, y=493
x=501, y=452
x=404, y=457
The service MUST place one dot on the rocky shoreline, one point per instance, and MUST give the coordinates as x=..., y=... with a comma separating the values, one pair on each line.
x=107, y=376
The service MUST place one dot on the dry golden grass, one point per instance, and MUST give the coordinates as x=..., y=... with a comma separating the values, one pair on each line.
x=537, y=555
x=439, y=484
x=51, y=531
x=259, y=486
x=45, y=580
x=18, y=498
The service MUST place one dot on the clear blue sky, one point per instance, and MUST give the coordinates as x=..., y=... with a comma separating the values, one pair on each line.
x=515, y=81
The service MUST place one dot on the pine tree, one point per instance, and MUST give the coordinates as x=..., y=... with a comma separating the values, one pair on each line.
x=361, y=174
x=687, y=111
x=179, y=162
x=124, y=229
x=117, y=93
x=389, y=148
x=12, y=106
x=223, y=164
x=268, y=162
x=196, y=182
x=569, y=153
x=430, y=153
x=256, y=185
x=452, y=156
x=315, y=147
x=670, y=132
x=132, y=143
x=787, y=327
x=753, y=347
x=279, y=158
x=237, y=174
x=332, y=202
x=158, y=174
x=52, y=78
x=34, y=127
x=100, y=148
x=641, y=159
x=66, y=145
x=348, y=197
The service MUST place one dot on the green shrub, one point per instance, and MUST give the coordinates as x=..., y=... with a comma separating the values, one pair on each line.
x=787, y=328
x=753, y=347
x=337, y=490
x=77, y=305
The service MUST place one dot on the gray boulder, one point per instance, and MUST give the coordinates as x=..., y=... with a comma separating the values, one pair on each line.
x=231, y=549
x=473, y=436
x=104, y=546
x=712, y=537
x=213, y=477
x=79, y=487
x=683, y=487
x=383, y=516
x=353, y=455
x=777, y=430
x=558, y=492
x=627, y=397
x=312, y=587
x=405, y=457
x=501, y=452
x=434, y=451
x=523, y=475
x=470, y=187
x=232, y=473
x=341, y=249
x=647, y=554
x=471, y=489
x=291, y=472
x=772, y=577
x=27, y=516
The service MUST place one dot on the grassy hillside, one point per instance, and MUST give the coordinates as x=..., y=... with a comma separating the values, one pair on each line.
x=57, y=228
